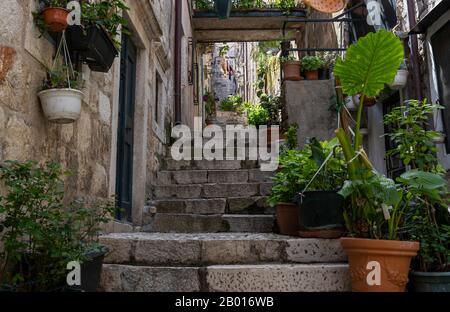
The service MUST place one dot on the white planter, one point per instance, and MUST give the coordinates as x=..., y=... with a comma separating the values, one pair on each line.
x=350, y=104
x=400, y=80
x=61, y=106
x=440, y=139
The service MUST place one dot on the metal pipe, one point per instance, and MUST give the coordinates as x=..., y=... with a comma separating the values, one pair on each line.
x=414, y=46
x=177, y=61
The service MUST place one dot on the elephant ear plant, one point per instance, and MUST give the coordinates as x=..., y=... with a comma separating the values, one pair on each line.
x=376, y=209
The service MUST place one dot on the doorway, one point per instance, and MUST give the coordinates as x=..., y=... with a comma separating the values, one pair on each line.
x=127, y=98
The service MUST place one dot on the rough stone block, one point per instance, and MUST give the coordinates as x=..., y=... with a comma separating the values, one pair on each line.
x=315, y=250
x=186, y=223
x=190, y=176
x=123, y=278
x=217, y=164
x=227, y=176
x=177, y=191
x=230, y=190
x=161, y=252
x=250, y=223
x=278, y=278
x=256, y=175
x=206, y=206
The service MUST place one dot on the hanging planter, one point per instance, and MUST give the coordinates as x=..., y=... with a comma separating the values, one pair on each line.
x=61, y=98
x=55, y=18
x=400, y=80
x=223, y=8
x=94, y=45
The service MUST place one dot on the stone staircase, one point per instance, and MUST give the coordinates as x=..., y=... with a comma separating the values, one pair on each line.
x=211, y=197
x=209, y=228
x=225, y=262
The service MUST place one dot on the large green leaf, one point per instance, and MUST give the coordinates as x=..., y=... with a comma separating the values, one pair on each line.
x=370, y=64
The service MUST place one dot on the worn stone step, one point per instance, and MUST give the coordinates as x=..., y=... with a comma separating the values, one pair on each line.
x=231, y=205
x=172, y=164
x=227, y=278
x=194, y=223
x=278, y=278
x=167, y=249
x=211, y=190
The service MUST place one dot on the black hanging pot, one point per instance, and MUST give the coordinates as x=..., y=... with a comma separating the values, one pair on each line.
x=223, y=8
x=320, y=214
x=94, y=45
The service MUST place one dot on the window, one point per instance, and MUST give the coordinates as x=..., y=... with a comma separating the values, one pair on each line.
x=158, y=97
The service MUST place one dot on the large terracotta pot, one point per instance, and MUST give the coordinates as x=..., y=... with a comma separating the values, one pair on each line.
x=291, y=70
x=394, y=258
x=312, y=74
x=55, y=19
x=287, y=218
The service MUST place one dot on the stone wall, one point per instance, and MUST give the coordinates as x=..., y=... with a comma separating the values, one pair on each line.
x=87, y=147
x=308, y=104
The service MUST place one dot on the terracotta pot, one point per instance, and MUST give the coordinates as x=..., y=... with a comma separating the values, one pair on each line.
x=55, y=19
x=394, y=258
x=287, y=218
x=291, y=70
x=312, y=74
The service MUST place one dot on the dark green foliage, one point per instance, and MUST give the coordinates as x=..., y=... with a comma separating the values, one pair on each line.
x=41, y=235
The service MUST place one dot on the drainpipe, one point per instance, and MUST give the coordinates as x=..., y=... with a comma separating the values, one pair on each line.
x=177, y=52
x=414, y=50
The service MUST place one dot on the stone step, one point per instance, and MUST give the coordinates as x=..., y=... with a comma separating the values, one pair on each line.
x=211, y=190
x=212, y=176
x=227, y=278
x=155, y=249
x=231, y=205
x=175, y=165
x=194, y=223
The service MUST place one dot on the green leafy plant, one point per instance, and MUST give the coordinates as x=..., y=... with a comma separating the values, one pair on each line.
x=369, y=64
x=292, y=137
x=61, y=78
x=428, y=219
x=224, y=50
x=232, y=103
x=107, y=14
x=298, y=167
x=39, y=233
x=210, y=103
x=312, y=63
x=289, y=58
x=414, y=144
x=257, y=115
x=273, y=106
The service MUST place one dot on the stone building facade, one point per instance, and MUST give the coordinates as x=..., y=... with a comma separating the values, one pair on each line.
x=88, y=147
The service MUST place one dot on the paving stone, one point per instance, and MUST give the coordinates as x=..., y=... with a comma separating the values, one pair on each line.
x=230, y=190
x=177, y=191
x=265, y=189
x=250, y=223
x=278, y=278
x=227, y=176
x=256, y=175
x=123, y=278
x=190, y=176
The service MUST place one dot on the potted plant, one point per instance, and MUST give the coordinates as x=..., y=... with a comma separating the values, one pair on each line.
x=428, y=218
x=311, y=66
x=321, y=173
x=39, y=234
x=96, y=39
x=401, y=78
x=377, y=204
x=53, y=16
x=257, y=115
x=273, y=106
x=291, y=68
x=61, y=98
